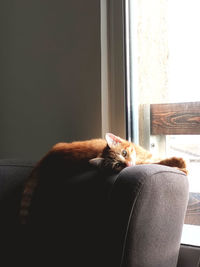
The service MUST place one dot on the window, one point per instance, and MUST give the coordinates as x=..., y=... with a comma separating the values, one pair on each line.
x=164, y=68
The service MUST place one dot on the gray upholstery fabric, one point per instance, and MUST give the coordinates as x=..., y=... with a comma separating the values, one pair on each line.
x=133, y=219
x=155, y=220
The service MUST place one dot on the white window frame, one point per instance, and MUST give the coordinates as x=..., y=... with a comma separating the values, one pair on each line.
x=113, y=68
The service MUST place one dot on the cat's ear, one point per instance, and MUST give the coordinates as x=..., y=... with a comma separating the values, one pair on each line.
x=96, y=162
x=113, y=140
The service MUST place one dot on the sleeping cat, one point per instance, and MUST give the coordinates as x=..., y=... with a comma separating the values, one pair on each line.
x=67, y=159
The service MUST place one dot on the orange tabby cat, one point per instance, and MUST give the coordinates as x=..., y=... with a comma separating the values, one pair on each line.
x=67, y=159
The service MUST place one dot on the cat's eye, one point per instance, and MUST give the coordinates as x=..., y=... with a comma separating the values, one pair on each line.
x=124, y=153
x=117, y=165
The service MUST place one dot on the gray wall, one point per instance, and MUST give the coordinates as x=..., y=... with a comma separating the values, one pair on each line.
x=49, y=74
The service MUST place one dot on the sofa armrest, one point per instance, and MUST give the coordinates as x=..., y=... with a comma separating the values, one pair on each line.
x=148, y=205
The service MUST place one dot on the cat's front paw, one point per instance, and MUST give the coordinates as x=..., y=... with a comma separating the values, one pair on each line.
x=183, y=170
x=174, y=162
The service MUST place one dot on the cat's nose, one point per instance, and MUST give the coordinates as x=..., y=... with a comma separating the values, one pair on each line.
x=130, y=163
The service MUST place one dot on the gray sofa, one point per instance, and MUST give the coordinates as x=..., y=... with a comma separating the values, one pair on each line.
x=133, y=219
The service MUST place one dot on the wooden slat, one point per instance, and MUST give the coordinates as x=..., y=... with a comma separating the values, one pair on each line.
x=193, y=209
x=172, y=119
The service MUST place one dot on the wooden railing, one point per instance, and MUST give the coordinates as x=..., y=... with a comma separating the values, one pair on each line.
x=176, y=119
x=179, y=118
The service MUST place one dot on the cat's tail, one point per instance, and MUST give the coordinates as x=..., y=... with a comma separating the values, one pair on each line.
x=27, y=195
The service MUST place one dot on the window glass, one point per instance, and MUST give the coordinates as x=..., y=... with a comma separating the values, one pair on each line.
x=184, y=55
x=165, y=68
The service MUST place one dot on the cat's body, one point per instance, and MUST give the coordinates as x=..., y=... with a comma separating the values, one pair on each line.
x=67, y=159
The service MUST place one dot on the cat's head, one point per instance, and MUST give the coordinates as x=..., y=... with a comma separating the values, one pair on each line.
x=118, y=154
